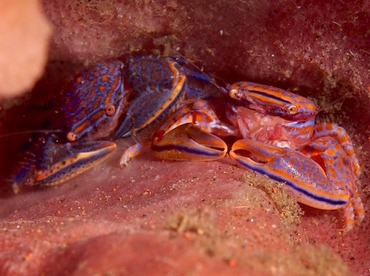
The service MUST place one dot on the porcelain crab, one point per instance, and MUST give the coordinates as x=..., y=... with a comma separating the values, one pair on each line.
x=282, y=140
x=150, y=99
x=90, y=108
x=104, y=102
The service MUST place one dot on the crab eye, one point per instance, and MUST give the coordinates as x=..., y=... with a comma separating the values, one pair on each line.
x=233, y=93
x=71, y=136
x=110, y=109
x=292, y=109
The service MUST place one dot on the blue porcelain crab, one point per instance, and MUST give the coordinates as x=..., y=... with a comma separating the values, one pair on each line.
x=150, y=99
x=103, y=103
x=280, y=138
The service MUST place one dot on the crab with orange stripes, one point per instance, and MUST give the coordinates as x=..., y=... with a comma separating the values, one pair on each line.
x=150, y=98
x=103, y=103
x=282, y=140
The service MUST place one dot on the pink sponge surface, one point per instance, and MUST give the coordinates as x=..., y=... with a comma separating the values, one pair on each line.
x=195, y=218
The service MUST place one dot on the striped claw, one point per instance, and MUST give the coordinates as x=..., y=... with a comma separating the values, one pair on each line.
x=319, y=175
x=189, y=142
x=78, y=158
x=63, y=161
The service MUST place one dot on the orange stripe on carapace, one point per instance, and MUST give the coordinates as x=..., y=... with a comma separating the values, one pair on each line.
x=276, y=92
x=114, y=85
x=268, y=96
x=179, y=83
x=280, y=97
x=104, y=78
x=102, y=88
x=80, y=127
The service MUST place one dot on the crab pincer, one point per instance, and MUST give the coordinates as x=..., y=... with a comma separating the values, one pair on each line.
x=90, y=109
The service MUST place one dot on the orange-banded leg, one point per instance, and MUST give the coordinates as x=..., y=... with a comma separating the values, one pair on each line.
x=189, y=135
x=311, y=182
x=202, y=114
x=324, y=129
x=133, y=151
x=49, y=163
x=341, y=171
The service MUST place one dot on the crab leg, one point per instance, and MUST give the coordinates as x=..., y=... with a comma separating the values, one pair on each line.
x=339, y=169
x=133, y=151
x=203, y=115
x=323, y=129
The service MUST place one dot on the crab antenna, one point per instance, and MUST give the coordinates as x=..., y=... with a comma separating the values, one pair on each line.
x=30, y=132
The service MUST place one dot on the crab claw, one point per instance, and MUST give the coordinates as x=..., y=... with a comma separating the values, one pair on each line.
x=60, y=163
x=306, y=178
x=188, y=142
